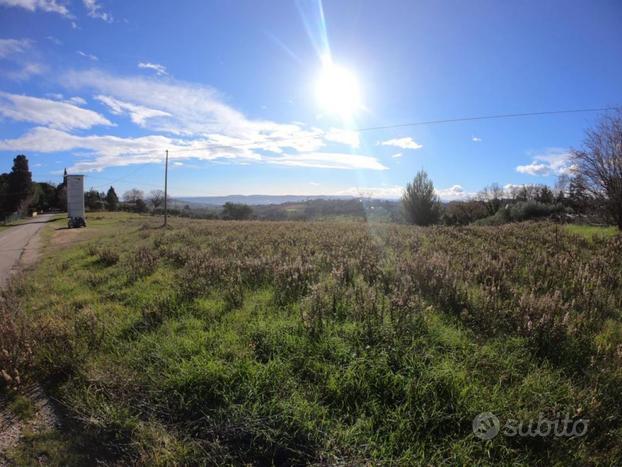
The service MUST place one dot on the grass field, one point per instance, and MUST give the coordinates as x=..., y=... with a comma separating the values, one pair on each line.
x=289, y=343
x=590, y=231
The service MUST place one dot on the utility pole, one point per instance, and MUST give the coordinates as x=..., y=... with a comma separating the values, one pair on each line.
x=166, y=190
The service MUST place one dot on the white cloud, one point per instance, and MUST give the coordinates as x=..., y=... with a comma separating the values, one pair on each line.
x=191, y=121
x=159, y=69
x=55, y=40
x=25, y=71
x=117, y=151
x=535, y=168
x=476, y=139
x=89, y=56
x=94, y=10
x=453, y=193
x=60, y=115
x=553, y=161
x=21, y=69
x=197, y=111
x=404, y=143
x=10, y=47
x=339, y=135
x=328, y=160
x=77, y=100
x=138, y=113
x=396, y=156
x=50, y=6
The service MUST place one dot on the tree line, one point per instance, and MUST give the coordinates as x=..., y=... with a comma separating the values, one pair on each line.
x=591, y=191
x=19, y=195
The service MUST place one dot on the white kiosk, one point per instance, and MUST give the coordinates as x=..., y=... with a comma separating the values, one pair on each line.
x=75, y=201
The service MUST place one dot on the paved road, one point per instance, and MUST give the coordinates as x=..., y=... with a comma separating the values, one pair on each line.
x=14, y=240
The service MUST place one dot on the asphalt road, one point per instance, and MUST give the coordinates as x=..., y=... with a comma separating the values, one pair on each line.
x=13, y=242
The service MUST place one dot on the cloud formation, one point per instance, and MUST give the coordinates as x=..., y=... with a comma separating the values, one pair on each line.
x=55, y=114
x=160, y=70
x=403, y=143
x=192, y=121
x=89, y=56
x=95, y=10
x=554, y=161
x=328, y=160
x=453, y=193
x=50, y=6
x=9, y=47
x=137, y=113
x=347, y=137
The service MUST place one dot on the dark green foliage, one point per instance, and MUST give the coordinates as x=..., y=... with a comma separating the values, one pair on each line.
x=237, y=212
x=420, y=203
x=44, y=197
x=112, y=200
x=16, y=187
x=94, y=200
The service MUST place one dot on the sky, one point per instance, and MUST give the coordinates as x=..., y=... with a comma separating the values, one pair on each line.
x=267, y=96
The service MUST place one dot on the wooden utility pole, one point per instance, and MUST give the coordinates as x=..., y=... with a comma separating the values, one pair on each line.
x=166, y=190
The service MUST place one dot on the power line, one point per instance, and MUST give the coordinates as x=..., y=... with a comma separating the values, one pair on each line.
x=487, y=117
x=398, y=125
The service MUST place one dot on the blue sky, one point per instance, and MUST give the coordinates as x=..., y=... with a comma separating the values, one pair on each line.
x=103, y=87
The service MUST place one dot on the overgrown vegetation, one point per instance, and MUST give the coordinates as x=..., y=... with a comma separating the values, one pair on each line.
x=289, y=343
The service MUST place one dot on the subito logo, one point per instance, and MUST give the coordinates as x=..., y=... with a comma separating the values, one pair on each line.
x=486, y=425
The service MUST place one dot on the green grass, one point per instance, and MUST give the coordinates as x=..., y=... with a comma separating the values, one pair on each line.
x=173, y=346
x=22, y=407
x=590, y=231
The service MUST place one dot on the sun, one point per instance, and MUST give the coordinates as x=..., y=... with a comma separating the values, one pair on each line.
x=337, y=90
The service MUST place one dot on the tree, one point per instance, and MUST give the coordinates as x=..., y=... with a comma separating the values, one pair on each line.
x=44, y=196
x=600, y=164
x=419, y=201
x=234, y=211
x=112, y=200
x=61, y=196
x=4, y=193
x=140, y=205
x=491, y=196
x=545, y=195
x=578, y=196
x=156, y=198
x=133, y=195
x=94, y=200
x=20, y=187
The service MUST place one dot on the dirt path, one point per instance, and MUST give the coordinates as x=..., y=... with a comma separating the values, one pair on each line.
x=20, y=247
x=21, y=239
x=44, y=418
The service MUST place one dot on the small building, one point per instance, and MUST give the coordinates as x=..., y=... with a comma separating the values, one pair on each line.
x=75, y=200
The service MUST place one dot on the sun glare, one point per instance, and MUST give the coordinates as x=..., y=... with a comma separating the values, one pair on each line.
x=337, y=90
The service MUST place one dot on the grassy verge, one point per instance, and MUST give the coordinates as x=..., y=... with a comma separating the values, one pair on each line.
x=590, y=231
x=287, y=343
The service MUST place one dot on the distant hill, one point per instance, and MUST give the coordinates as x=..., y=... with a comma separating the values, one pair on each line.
x=255, y=200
